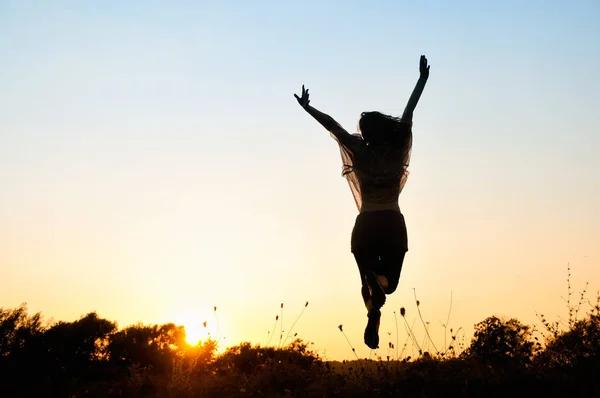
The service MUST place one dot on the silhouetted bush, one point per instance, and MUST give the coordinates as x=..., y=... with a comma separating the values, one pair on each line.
x=501, y=342
x=91, y=357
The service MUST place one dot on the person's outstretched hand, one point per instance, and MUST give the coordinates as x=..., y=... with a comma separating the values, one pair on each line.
x=423, y=67
x=303, y=100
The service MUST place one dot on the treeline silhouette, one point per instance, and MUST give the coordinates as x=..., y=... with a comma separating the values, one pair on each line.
x=91, y=357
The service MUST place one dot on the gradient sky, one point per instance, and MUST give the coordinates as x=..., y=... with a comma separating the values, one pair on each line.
x=154, y=162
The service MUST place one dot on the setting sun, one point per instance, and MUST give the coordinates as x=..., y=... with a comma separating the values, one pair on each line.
x=198, y=326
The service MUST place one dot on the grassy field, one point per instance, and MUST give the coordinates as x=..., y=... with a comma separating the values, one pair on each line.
x=91, y=357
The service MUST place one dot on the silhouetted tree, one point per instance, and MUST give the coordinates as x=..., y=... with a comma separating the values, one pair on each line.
x=576, y=348
x=146, y=347
x=54, y=358
x=496, y=340
x=17, y=328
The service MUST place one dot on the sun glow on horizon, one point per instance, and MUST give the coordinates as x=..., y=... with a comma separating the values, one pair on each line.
x=197, y=326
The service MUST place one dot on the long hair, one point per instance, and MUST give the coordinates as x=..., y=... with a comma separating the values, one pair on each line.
x=378, y=128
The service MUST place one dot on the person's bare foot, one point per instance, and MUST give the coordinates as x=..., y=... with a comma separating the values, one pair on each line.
x=372, y=329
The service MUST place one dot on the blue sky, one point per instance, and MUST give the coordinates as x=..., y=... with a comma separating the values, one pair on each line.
x=160, y=141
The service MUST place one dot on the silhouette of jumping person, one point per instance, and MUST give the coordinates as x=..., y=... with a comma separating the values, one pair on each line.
x=375, y=164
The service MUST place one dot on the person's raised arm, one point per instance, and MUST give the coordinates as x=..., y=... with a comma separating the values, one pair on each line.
x=326, y=121
x=418, y=90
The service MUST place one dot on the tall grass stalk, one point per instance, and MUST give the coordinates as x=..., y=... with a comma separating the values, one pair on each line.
x=397, y=334
x=217, y=322
x=294, y=324
x=423, y=321
x=281, y=326
x=348, y=340
x=273, y=331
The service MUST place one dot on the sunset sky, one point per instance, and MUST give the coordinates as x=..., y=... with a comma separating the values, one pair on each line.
x=154, y=162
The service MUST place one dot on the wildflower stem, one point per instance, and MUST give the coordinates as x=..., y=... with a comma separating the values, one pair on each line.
x=281, y=326
x=273, y=331
x=421, y=316
x=397, y=335
x=447, y=322
x=294, y=324
x=217, y=322
x=353, y=350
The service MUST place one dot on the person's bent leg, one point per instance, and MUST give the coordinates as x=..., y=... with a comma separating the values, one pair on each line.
x=391, y=264
x=365, y=261
x=372, y=296
x=365, y=244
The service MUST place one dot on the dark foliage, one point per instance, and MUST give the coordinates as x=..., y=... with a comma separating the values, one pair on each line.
x=91, y=357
